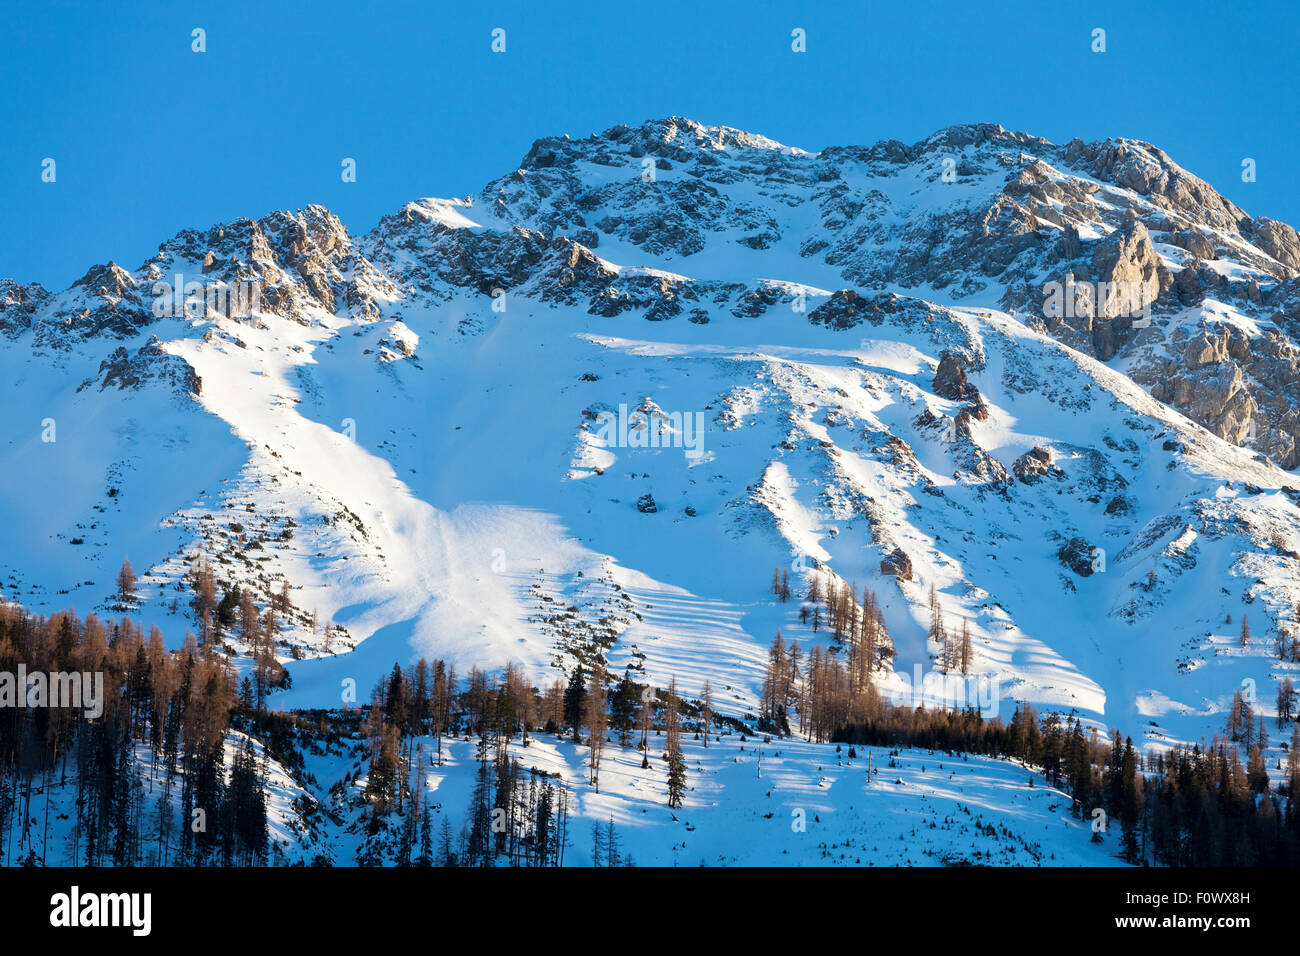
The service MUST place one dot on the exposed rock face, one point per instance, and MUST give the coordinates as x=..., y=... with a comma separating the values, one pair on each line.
x=1276, y=238
x=846, y=309
x=298, y=261
x=571, y=272
x=950, y=379
x=1119, y=505
x=1194, y=241
x=1214, y=395
x=1110, y=289
x=1032, y=227
x=980, y=466
x=129, y=371
x=109, y=301
x=646, y=504
x=1279, y=444
x=1080, y=557
x=18, y=305
x=1033, y=465
x=898, y=564
x=1127, y=259
x=843, y=310
x=462, y=258
x=1243, y=389
x=1126, y=265
x=978, y=412
x=1149, y=171
x=1205, y=349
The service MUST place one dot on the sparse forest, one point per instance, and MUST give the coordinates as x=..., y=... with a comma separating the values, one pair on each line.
x=176, y=769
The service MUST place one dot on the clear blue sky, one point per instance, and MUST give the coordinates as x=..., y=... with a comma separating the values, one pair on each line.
x=150, y=137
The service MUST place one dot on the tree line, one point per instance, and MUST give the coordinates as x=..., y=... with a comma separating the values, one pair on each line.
x=1189, y=806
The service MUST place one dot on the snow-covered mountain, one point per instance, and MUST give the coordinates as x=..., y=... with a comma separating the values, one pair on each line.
x=855, y=367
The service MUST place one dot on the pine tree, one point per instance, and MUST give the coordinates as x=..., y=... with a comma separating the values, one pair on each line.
x=1293, y=771
x=596, y=719
x=645, y=720
x=204, y=602
x=1130, y=802
x=676, y=762
x=574, y=695
x=250, y=629
x=446, y=857
x=623, y=708
x=966, y=653
x=426, y=838
x=938, y=635
x=1256, y=771
x=612, y=846
x=478, y=850
x=706, y=712
x=776, y=683
x=1286, y=702
x=126, y=583
x=385, y=772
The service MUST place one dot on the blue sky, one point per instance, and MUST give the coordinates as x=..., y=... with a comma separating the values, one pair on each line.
x=150, y=137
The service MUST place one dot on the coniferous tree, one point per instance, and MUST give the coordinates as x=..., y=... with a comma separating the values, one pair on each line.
x=706, y=711
x=676, y=761
x=623, y=704
x=446, y=854
x=478, y=850
x=1286, y=702
x=645, y=720
x=966, y=654
x=1130, y=805
x=938, y=633
x=596, y=718
x=612, y=847
x=1293, y=772
x=1256, y=771
x=574, y=695
x=385, y=774
x=126, y=583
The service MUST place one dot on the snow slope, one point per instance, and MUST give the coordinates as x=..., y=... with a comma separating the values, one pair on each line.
x=755, y=802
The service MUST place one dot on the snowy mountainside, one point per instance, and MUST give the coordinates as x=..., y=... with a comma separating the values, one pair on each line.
x=408, y=427
x=755, y=803
x=750, y=803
